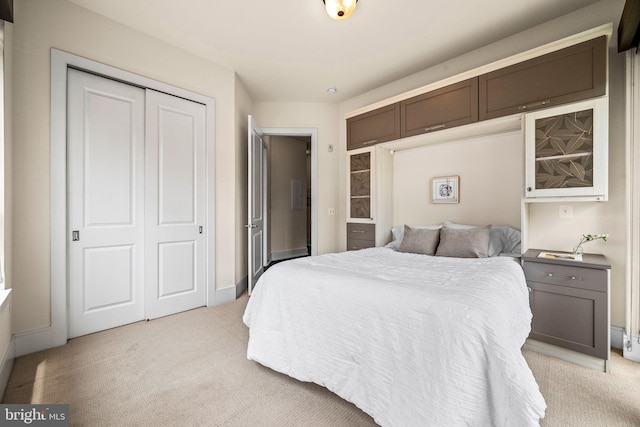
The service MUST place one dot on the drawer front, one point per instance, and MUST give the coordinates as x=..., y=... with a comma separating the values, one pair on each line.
x=361, y=231
x=562, y=275
x=355, y=244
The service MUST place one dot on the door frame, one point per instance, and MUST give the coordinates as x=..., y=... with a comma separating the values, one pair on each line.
x=57, y=333
x=313, y=134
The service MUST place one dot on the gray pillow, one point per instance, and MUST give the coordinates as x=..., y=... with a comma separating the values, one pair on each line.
x=464, y=242
x=502, y=239
x=398, y=233
x=419, y=240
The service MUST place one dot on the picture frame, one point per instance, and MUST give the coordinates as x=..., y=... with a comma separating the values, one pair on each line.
x=445, y=189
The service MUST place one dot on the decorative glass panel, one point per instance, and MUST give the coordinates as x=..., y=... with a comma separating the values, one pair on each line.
x=360, y=207
x=564, y=150
x=360, y=162
x=360, y=185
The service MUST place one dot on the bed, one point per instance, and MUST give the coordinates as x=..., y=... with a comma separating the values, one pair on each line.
x=412, y=339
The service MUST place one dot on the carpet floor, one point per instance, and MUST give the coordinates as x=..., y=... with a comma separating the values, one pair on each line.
x=190, y=369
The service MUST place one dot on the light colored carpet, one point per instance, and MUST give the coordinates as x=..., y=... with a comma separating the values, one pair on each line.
x=190, y=369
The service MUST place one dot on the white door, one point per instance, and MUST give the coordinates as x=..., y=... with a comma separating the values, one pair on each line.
x=256, y=221
x=106, y=203
x=175, y=205
x=136, y=177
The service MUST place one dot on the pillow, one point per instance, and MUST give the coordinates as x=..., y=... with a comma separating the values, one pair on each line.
x=502, y=239
x=398, y=232
x=419, y=240
x=464, y=242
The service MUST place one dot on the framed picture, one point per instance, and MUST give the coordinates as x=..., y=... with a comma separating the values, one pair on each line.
x=445, y=189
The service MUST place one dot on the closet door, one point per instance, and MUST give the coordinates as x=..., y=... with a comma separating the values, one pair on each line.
x=105, y=203
x=175, y=205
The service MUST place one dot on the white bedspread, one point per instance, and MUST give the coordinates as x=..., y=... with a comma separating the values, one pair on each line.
x=412, y=340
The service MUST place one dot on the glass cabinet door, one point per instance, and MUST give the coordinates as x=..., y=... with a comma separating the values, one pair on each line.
x=566, y=150
x=360, y=185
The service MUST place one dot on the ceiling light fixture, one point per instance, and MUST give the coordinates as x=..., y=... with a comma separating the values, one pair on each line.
x=340, y=9
x=331, y=90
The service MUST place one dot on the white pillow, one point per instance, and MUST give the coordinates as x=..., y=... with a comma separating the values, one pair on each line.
x=502, y=239
x=398, y=233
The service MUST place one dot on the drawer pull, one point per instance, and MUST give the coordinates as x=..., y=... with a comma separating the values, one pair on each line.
x=373, y=141
x=358, y=231
x=436, y=127
x=534, y=104
x=564, y=277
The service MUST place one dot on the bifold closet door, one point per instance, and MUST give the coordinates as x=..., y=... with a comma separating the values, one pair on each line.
x=105, y=168
x=175, y=205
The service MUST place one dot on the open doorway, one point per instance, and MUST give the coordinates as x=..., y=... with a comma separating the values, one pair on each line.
x=306, y=140
x=289, y=201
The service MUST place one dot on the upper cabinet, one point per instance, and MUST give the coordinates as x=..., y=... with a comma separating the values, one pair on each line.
x=566, y=151
x=572, y=74
x=374, y=127
x=450, y=106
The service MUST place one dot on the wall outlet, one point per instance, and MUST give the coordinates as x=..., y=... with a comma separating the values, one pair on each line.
x=566, y=211
x=332, y=211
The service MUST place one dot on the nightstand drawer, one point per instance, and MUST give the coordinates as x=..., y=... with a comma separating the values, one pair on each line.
x=361, y=231
x=563, y=275
x=355, y=244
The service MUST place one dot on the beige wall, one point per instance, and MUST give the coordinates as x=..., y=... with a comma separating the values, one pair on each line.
x=287, y=161
x=41, y=25
x=546, y=229
x=489, y=194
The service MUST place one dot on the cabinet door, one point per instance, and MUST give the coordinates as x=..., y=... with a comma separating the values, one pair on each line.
x=374, y=127
x=567, y=151
x=568, y=75
x=360, y=168
x=576, y=319
x=447, y=107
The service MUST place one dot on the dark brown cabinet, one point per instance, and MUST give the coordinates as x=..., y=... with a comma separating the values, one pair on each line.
x=567, y=75
x=360, y=236
x=570, y=302
x=373, y=127
x=447, y=107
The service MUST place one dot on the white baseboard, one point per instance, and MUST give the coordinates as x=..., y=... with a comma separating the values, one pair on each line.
x=631, y=348
x=567, y=355
x=291, y=253
x=33, y=341
x=617, y=337
x=224, y=295
x=5, y=368
x=242, y=286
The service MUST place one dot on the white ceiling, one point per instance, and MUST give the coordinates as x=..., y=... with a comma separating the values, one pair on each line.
x=291, y=51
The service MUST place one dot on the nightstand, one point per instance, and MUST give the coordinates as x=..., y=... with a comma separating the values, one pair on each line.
x=570, y=304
